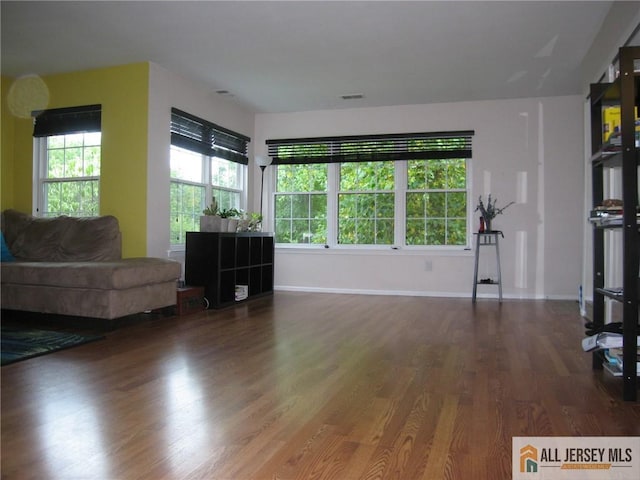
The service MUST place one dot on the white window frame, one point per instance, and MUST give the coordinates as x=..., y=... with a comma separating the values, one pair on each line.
x=40, y=164
x=206, y=182
x=400, y=192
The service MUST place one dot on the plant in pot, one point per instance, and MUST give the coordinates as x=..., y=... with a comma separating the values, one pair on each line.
x=489, y=212
x=255, y=222
x=249, y=222
x=229, y=219
x=210, y=220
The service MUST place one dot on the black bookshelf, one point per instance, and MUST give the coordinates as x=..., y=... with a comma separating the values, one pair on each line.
x=220, y=262
x=622, y=157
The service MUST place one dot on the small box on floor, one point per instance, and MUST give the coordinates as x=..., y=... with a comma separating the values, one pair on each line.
x=242, y=292
x=190, y=300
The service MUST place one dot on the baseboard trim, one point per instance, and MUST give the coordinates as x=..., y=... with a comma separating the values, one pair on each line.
x=416, y=293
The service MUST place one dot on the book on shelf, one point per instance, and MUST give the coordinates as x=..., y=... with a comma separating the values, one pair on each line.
x=610, y=221
x=613, y=363
x=613, y=291
x=604, y=340
x=616, y=370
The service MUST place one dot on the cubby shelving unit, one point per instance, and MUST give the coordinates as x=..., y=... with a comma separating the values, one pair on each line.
x=221, y=261
x=622, y=156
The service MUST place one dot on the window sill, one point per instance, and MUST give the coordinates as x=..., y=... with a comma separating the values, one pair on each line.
x=354, y=250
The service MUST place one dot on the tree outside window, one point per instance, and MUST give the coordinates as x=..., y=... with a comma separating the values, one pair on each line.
x=71, y=181
x=301, y=204
x=436, y=205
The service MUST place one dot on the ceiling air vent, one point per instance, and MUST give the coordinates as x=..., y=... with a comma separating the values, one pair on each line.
x=352, y=96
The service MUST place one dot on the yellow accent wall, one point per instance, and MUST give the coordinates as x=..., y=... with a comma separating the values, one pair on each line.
x=6, y=148
x=123, y=92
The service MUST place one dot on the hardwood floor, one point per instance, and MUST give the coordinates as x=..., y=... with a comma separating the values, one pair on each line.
x=311, y=386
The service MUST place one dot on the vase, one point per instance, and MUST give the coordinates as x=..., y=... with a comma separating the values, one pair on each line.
x=487, y=225
x=232, y=225
x=210, y=223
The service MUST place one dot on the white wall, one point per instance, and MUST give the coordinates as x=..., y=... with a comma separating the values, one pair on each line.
x=167, y=90
x=528, y=150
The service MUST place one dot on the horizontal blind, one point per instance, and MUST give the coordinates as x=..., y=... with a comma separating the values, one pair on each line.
x=201, y=136
x=63, y=121
x=371, y=148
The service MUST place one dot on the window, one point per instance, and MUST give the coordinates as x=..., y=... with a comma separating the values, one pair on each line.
x=366, y=203
x=301, y=204
x=206, y=161
x=67, y=161
x=409, y=190
x=188, y=192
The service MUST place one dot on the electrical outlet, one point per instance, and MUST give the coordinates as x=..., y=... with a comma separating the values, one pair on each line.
x=428, y=265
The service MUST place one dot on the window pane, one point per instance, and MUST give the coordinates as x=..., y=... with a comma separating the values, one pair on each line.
x=226, y=199
x=456, y=174
x=416, y=174
x=93, y=138
x=283, y=231
x=186, y=203
x=225, y=173
x=436, y=205
x=366, y=218
x=56, y=141
x=73, y=162
x=302, y=178
x=300, y=206
x=74, y=140
x=55, y=163
x=457, y=232
x=92, y=161
x=283, y=206
x=301, y=218
x=76, y=157
x=366, y=176
x=457, y=204
x=436, y=232
x=416, y=205
x=185, y=165
x=75, y=198
x=436, y=202
x=436, y=174
x=416, y=232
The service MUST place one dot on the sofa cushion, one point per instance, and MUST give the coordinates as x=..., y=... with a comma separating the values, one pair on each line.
x=62, y=239
x=121, y=274
x=5, y=254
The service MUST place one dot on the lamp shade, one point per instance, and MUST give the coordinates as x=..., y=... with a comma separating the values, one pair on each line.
x=262, y=161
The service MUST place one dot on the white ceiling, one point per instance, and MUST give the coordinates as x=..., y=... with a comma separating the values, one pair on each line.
x=279, y=56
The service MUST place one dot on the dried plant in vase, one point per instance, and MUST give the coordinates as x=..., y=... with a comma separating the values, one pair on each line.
x=490, y=211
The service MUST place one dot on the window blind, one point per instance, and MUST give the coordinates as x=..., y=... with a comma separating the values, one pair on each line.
x=63, y=121
x=201, y=136
x=371, y=148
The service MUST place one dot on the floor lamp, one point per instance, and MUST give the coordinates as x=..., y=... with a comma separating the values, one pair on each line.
x=262, y=162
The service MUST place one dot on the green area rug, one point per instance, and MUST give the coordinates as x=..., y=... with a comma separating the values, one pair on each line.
x=18, y=343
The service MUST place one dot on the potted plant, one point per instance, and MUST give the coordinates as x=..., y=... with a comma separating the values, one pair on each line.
x=255, y=222
x=489, y=212
x=229, y=219
x=249, y=222
x=210, y=220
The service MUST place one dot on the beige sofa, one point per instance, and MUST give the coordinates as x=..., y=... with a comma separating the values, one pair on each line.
x=74, y=266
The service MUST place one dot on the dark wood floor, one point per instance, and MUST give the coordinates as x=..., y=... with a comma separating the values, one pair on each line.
x=311, y=386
